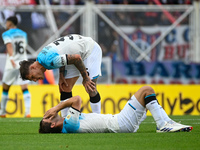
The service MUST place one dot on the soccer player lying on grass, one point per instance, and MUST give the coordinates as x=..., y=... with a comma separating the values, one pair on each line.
x=128, y=120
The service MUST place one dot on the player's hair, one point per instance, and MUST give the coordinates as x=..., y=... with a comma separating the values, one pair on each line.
x=13, y=19
x=24, y=68
x=45, y=127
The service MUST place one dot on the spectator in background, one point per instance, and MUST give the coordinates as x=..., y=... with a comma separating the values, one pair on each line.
x=152, y=17
x=140, y=2
x=113, y=52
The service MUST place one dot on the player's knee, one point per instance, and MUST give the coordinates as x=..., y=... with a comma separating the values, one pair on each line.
x=78, y=100
x=68, y=88
x=6, y=87
x=147, y=90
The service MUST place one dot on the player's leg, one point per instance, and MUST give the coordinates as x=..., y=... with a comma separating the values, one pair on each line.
x=4, y=99
x=146, y=96
x=9, y=78
x=93, y=67
x=164, y=114
x=67, y=93
x=95, y=100
x=130, y=116
x=170, y=121
x=27, y=100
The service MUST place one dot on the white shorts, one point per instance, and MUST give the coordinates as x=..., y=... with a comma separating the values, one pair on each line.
x=92, y=64
x=12, y=76
x=130, y=115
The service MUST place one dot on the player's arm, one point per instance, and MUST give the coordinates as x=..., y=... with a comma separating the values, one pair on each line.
x=62, y=78
x=74, y=102
x=9, y=48
x=8, y=42
x=78, y=62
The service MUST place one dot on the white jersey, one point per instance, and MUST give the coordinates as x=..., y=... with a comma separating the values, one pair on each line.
x=18, y=39
x=73, y=44
x=98, y=123
x=127, y=121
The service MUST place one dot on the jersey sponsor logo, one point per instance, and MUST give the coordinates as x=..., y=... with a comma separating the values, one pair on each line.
x=62, y=61
x=44, y=52
x=47, y=47
x=18, y=36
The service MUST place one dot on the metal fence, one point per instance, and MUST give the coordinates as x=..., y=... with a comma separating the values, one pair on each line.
x=105, y=23
x=125, y=32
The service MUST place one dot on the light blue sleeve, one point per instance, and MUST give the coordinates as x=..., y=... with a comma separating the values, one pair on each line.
x=71, y=123
x=6, y=37
x=50, y=59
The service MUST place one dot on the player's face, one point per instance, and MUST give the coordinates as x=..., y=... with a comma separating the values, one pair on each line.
x=35, y=74
x=8, y=24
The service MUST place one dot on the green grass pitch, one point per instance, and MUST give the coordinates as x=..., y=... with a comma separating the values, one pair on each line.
x=22, y=134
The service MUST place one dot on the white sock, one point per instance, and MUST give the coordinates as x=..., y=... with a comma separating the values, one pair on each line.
x=27, y=101
x=154, y=108
x=4, y=99
x=164, y=114
x=96, y=107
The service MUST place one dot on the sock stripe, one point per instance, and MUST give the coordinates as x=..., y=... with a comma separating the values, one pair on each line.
x=95, y=99
x=25, y=92
x=149, y=98
x=5, y=93
x=65, y=95
x=150, y=95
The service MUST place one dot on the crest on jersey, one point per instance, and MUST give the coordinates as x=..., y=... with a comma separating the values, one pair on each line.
x=68, y=117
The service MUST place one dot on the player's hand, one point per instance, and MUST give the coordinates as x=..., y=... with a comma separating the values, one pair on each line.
x=13, y=63
x=89, y=85
x=62, y=83
x=50, y=114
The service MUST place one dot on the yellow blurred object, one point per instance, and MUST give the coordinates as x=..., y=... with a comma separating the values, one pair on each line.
x=175, y=99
